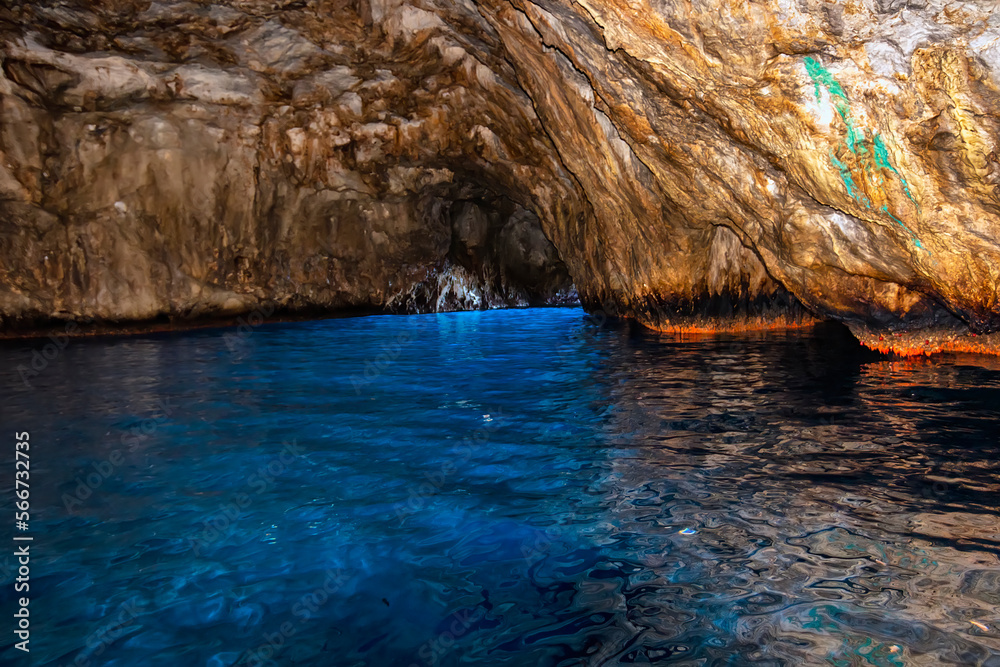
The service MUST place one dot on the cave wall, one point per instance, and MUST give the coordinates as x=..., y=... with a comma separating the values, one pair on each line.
x=705, y=164
x=195, y=160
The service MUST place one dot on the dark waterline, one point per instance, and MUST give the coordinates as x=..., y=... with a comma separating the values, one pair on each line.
x=504, y=488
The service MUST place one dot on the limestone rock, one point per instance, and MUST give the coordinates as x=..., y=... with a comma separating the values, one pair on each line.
x=703, y=164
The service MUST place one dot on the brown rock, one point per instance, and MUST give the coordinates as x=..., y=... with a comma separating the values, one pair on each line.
x=708, y=165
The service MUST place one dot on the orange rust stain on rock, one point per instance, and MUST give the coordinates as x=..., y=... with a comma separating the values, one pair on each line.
x=705, y=327
x=926, y=343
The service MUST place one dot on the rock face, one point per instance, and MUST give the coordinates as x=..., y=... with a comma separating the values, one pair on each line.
x=707, y=164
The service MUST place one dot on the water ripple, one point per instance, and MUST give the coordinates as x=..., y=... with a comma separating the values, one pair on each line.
x=508, y=488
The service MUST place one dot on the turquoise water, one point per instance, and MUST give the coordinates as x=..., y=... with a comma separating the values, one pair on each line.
x=503, y=488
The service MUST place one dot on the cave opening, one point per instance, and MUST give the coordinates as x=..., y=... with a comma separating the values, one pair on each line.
x=497, y=256
x=494, y=332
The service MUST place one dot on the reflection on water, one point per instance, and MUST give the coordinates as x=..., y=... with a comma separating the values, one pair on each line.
x=507, y=488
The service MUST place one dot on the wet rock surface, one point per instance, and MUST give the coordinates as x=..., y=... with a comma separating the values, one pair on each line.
x=692, y=166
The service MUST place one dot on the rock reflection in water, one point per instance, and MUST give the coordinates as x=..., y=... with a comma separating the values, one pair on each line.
x=828, y=518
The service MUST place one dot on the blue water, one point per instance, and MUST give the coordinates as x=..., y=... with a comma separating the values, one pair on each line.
x=502, y=488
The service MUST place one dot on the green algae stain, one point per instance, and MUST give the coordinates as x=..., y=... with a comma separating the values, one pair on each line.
x=916, y=241
x=882, y=154
x=856, y=143
x=820, y=75
x=855, y=137
x=838, y=98
x=847, y=177
x=882, y=160
x=885, y=209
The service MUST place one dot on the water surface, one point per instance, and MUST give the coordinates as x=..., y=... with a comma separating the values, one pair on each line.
x=504, y=488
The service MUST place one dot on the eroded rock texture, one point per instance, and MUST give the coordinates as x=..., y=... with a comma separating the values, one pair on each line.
x=688, y=164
